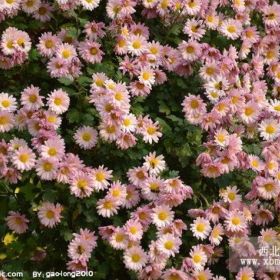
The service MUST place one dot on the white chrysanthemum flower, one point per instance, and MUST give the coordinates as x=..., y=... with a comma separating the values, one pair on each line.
x=198, y=257
x=7, y=102
x=162, y=215
x=168, y=244
x=269, y=129
x=6, y=121
x=221, y=137
x=89, y=4
x=200, y=228
x=135, y=258
x=154, y=164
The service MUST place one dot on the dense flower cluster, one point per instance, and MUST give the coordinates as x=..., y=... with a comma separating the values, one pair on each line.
x=232, y=47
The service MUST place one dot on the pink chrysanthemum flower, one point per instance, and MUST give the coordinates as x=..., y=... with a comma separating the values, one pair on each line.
x=58, y=67
x=268, y=188
x=53, y=148
x=79, y=249
x=44, y=12
x=231, y=28
x=50, y=214
x=23, y=159
x=66, y=52
x=204, y=275
x=235, y=221
x=48, y=44
x=134, y=230
x=118, y=192
x=192, y=6
x=154, y=164
x=86, y=137
x=94, y=30
x=267, y=237
x=245, y=273
x=190, y=50
x=151, y=131
x=81, y=185
x=46, y=168
x=152, y=187
x=17, y=222
x=173, y=273
x=194, y=29
x=137, y=175
x=216, y=234
x=107, y=207
x=119, y=239
x=230, y=194
x=30, y=6
x=101, y=177
x=90, y=51
x=132, y=197
x=30, y=98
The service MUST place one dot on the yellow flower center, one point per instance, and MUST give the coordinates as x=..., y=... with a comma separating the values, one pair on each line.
x=47, y=166
x=270, y=129
x=119, y=237
x=57, y=101
x=269, y=187
x=162, y=216
x=32, y=98
x=200, y=227
x=136, y=45
x=135, y=258
x=235, y=221
x=86, y=136
x=24, y=158
x=231, y=196
x=6, y=103
x=151, y=130
x=4, y=120
x=50, y=214
x=146, y=76
x=93, y=51
x=116, y=192
x=133, y=230
x=169, y=245
x=66, y=54
x=52, y=151
x=190, y=49
x=100, y=176
x=249, y=111
x=231, y=29
x=196, y=258
x=82, y=184
x=154, y=186
x=108, y=205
